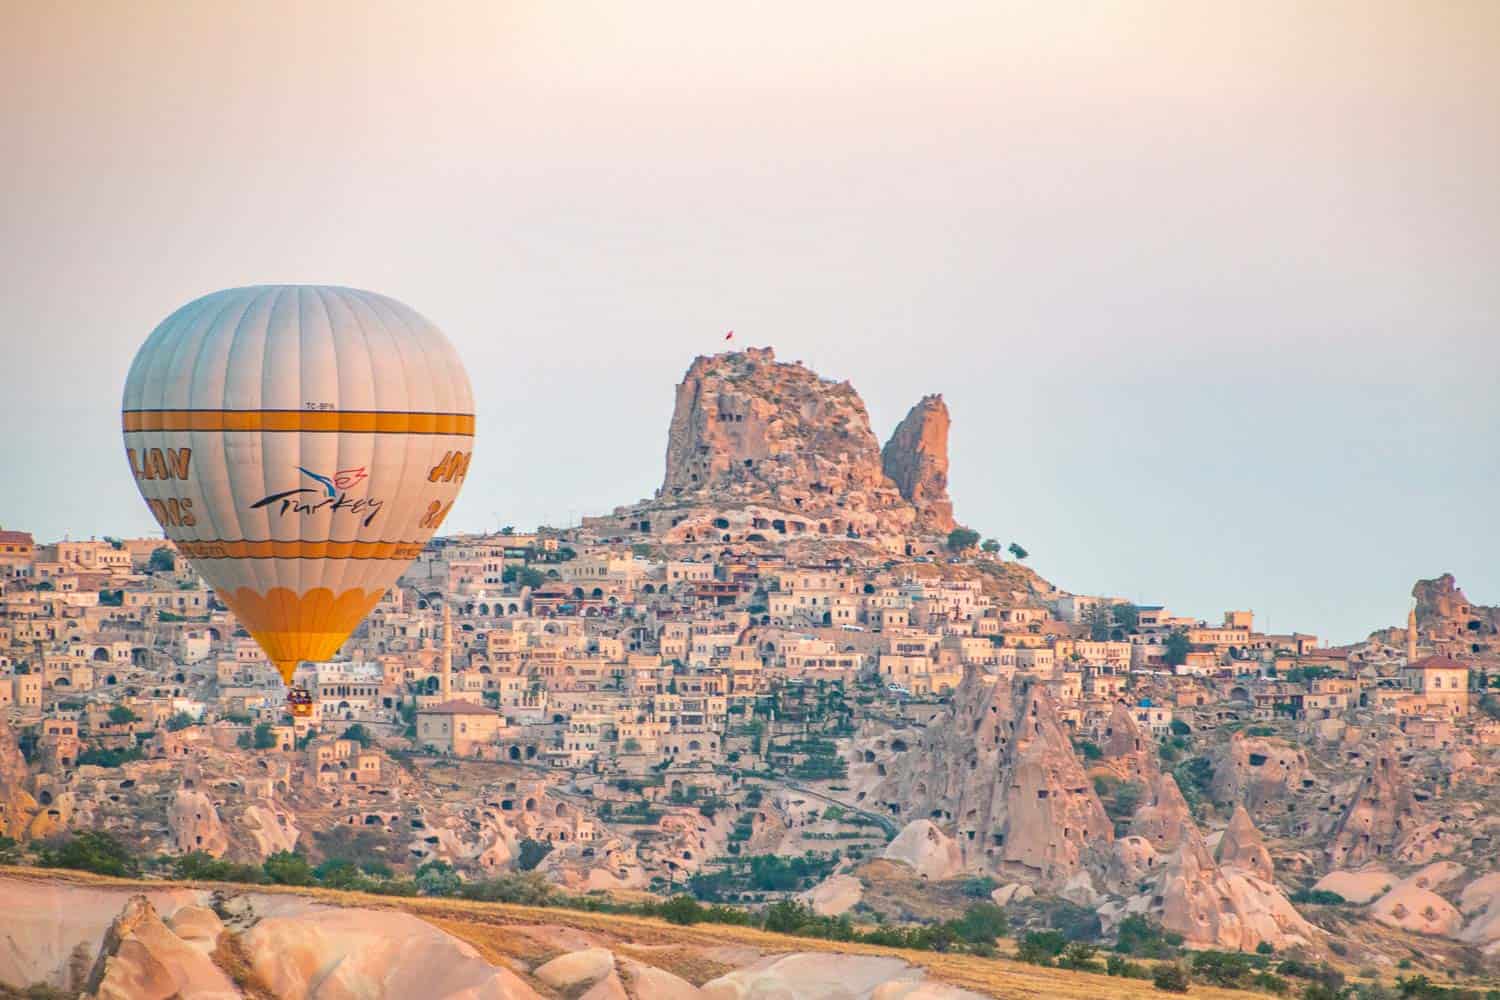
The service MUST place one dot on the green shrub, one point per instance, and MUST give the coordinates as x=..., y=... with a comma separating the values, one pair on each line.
x=1170, y=978
x=1041, y=947
x=981, y=924
x=682, y=910
x=531, y=854
x=1078, y=956
x=288, y=868
x=979, y=887
x=92, y=851
x=1117, y=965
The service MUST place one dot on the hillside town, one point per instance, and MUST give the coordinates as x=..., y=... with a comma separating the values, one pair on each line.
x=793, y=650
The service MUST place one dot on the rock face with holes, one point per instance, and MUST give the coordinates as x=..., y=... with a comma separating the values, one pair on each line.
x=1257, y=771
x=1232, y=905
x=195, y=824
x=762, y=451
x=916, y=460
x=1129, y=753
x=1450, y=624
x=1242, y=847
x=999, y=775
x=17, y=807
x=1379, y=815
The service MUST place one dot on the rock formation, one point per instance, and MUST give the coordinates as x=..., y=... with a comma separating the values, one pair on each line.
x=746, y=425
x=1256, y=770
x=1381, y=811
x=84, y=940
x=760, y=451
x=1000, y=772
x=1127, y=752
x=916, y=460
x=17, y=807
x=1234, y=905
x=195, y=823
x=1242, y=847
x=1449, y=624
x=927, y=850
x=142, y=959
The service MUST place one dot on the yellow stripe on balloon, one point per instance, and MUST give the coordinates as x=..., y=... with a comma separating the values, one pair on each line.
x=272, y=549
x=292, y=628
x=316, y=421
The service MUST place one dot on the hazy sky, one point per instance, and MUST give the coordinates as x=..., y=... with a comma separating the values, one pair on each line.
x=1210, y=288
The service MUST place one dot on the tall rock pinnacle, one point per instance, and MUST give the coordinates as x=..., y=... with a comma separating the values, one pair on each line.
x=916, y=460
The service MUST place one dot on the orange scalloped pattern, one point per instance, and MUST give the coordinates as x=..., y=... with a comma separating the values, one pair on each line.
x=291, y=628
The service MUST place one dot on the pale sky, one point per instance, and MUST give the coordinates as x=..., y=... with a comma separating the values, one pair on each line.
x=1210, y=288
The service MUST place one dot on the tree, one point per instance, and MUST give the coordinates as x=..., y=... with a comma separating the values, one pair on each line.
x=264, y=738
x=288, y=868
x=162, y=561
x=437, y=878
x=1176, y=652
x=531, y=854
x=120, y=715
x=359, y=734
x=1127, y=616
x=92, y=851
x=682, y=910
x=962, y=539
x=179, y=722
x=1097, y=618
x=1017, y=551
x=631, y=745
x=990, y=545
x=1171, y=978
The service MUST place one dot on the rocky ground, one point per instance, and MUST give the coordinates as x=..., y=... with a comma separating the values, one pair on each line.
x=111, y=939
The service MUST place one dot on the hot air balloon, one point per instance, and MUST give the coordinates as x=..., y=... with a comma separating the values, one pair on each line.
x=299, y=444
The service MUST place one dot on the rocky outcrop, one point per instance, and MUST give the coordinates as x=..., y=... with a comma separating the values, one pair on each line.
x=1127, y=752
x=927, y=850
x=195, y=824
x=1449, y=624
x=1381, y=811
x=301, y=949
x=17, y=807
x=998, y=773
x=1413, y=904
x=141, y=959
x=1256, y=770
x=834, y=895
x=1242, y=847
x=1165, y=819
x=829, y=976
x=52, y=932
x=916, y=460
x=759, y=451
x=746, y=425
x=1359, y=886
x=1233, y=905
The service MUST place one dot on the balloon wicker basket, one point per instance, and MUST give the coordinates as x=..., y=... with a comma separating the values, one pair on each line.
x=299, y=702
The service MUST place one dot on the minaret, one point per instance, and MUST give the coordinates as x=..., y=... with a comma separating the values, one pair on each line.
x=446, y=663
x=1411, y=636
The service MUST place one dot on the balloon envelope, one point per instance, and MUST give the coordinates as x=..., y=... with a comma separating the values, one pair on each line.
x=299, y=444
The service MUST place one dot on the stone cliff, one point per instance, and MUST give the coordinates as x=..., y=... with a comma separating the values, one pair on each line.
x=746, y=425
x=1000, y=771
x=761, y=451
x=916, y=460
x=17, y=807
x=1450, y=624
